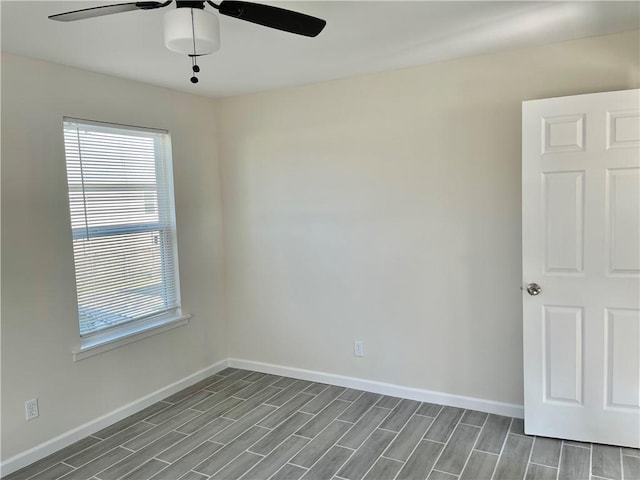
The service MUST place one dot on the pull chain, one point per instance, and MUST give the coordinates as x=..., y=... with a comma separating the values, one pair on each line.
x=195, y=69
x=194, y=65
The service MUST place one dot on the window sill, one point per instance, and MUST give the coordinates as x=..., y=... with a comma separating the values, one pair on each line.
x=125, y=335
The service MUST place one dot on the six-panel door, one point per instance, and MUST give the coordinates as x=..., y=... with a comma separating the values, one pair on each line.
x=581, y=244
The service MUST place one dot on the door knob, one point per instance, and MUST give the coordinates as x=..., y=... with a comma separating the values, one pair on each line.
x=534, y=289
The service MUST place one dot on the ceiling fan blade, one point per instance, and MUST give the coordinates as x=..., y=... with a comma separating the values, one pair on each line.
x=106, y=10
x=274, y=17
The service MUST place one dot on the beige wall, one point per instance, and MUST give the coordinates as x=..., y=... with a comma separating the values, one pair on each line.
x=387, y=208
x=384, y=208
x=39, y=317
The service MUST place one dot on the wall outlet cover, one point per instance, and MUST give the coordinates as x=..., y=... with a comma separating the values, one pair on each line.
x=31, y=408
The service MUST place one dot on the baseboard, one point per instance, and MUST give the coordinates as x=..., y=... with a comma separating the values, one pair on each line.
x=47, y=448
x=40, y=451
x=421, y=395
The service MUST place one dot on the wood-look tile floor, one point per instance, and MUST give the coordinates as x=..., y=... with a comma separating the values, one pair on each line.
x=242, y=424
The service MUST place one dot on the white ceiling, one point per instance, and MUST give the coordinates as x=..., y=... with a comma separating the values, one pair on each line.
x=360, y=37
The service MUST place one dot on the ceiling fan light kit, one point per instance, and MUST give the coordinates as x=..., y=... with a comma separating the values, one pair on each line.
x=191, y=30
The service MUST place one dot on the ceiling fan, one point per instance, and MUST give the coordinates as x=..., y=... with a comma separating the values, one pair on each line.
x=191, y=30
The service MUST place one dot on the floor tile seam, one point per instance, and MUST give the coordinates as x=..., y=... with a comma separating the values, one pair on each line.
x=406, y=421
x=145, y=461
x=326, y=426
x=330, y=402
x=486, y=419
x=256, y=453
x=591, y=461
x=221, y=391
x=356, y=450
x=625, y=455
x=243, y=432
x=434, y=441
x=50, y=467
x=235, y=457
x=363, y=413
x=316, y=394
x=196, y=446
x=192, y=471
x=234, y=422
x=96, y=458
x=272, y=449
x=404, y=462
x=353, y=451
x=621, y=464
x=211, y=419
x=334, y=444
x=423, y=415
x=452, y=430
x=283, y=464
x=533, y=447
x=528, y=465
x=445, y=472
x=175, y=429
x=289, y=417
x=472, y=425
x=171, y=405
x=213, y=389
x=504, y=444
x=96, y=474
x=373, y=464
x=564, y=442
x=447, y=444
x=560, y=460
x=111, y=436
x=260, y=391
x=276, y=379
x=543, y=465
x=389, y=458
x=351, y=401
x=293, y=395
x=291, y=414
x=377, y=427
x=298, y=465
x=466, y=462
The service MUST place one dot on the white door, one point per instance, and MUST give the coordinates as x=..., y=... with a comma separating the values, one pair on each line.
x=581, y=245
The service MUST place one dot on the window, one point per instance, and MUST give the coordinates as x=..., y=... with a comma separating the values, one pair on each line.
x=123, y=222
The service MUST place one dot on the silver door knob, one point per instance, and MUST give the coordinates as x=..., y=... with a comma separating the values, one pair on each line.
x=534, y=289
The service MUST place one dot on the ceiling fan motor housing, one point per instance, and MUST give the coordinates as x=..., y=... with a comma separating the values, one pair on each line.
x=191, y=31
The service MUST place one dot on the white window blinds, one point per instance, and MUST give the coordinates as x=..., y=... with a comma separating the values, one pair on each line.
x=122, y=217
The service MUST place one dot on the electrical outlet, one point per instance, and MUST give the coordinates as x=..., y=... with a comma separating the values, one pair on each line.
x=358, y=348
x=31, y=408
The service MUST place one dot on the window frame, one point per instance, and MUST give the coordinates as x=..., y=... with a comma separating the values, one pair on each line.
x=95, y=342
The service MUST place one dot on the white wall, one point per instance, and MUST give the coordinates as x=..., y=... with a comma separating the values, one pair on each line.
x=39, y=312
x=387, y=208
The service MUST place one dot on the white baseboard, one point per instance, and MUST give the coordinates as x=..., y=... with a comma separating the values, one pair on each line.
x=471, y=403
x=40, y=451
x=47, y=448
